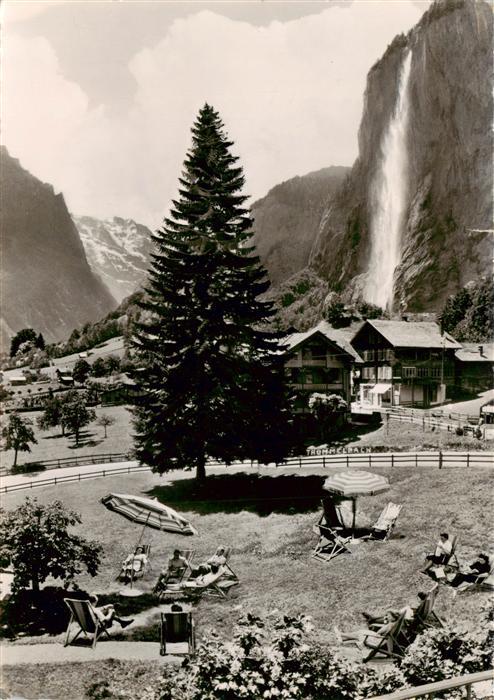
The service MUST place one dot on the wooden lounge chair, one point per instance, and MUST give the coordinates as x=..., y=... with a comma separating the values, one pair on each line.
x=138, y=568
x=449, y=565
x=331, y=515
x=171, y=582
x=385, y=523
x=228, y=573
x=424, y=616
x=483, y=581
x=177, y=633
x=215, y=583
x=330, y=543
x=83, y=614
x=391, y=645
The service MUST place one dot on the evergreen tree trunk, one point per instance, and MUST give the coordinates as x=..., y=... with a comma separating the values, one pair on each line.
x=201, y=470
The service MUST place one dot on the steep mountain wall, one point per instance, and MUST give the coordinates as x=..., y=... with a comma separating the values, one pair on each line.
x=117, y=250
x=445, y=240
x=287, y=219
x=47, y=283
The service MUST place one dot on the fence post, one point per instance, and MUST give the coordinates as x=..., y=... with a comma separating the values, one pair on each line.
x=323, y=462
x=468, y=459
x=440, y=459
x=392, y=459
x=300, y=463
x=416, y=460
x=347, y=460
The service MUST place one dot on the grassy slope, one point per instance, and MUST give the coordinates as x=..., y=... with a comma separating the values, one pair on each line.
x=51, y=444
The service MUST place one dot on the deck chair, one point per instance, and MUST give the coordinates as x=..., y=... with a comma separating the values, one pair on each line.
x=483, y=581
x=177, y=631
x=385, y=522
x=330, y=543
x=169, y=583
x=331, y=515
x=137, y=567
x=449, y=565
x=82, y=613
x=424, y=617
x=391, y=645
x=228, y=573
x=217, y=583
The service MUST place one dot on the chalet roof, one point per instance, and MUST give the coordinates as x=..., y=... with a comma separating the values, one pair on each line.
x=470, y=352
x=339, y=336
x=409, y=334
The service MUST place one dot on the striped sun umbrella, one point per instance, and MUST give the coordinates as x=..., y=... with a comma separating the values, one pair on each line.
x=148, y=511
x=352, y=484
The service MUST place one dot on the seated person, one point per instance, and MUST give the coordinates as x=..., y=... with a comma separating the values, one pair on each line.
x=106, y=613
x=203, y=580
x=373, y=637
x=176, y=566
x=134, y=563
x=409, y=611
x=481, y=565
x=441, y=553
x=212, y=564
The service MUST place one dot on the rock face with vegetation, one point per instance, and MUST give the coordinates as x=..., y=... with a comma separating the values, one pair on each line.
x=47, y=282
x=117, y=250
x=446, y=242
x=287, y=219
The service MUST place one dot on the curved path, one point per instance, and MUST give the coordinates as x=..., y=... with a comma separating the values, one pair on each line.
x=429, y=460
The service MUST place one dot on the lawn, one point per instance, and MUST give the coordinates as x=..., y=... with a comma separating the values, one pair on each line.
x=52, y=445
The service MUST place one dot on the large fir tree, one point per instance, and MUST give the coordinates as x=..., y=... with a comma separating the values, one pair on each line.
x=211, y=378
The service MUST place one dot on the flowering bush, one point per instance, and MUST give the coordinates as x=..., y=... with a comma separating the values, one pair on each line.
x=271, y=663
x=446, y=652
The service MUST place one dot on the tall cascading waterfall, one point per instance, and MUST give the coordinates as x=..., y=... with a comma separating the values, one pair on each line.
x=389, y=199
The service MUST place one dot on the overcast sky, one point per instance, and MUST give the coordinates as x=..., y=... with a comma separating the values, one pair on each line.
x=98, y=97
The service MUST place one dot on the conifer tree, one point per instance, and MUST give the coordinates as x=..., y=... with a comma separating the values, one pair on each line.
x=211, y=375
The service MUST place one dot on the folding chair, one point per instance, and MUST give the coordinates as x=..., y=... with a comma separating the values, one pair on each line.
x=330, y=543
x=82, y=612
x=136, y=568
x=215, y=583
x=449, y=564
x=391, y=645
x=331, y=515
x=385, y=523
x=177, y=630
x=228, y=572
x=171, y=582
x=483, y=581
x=423, y=617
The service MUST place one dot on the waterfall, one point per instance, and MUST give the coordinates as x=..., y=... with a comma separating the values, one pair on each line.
x=389, y=199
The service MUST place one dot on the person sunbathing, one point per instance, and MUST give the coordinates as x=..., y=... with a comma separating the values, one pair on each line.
x=373, y=637
x=106, y=614
x=441, y=553
x=481, y=565
x=134, y=563
x=210, y=565
x=176, y=566
x=408, y=611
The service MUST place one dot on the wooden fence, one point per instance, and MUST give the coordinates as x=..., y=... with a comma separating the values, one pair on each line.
x=430, y=460
x=430, y=690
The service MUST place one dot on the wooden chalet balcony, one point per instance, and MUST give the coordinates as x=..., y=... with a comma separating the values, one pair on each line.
x=299, y=362
x=316, y=387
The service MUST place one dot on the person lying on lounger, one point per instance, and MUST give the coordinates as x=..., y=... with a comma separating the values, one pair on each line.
x=481, y=565
x=374, y=621
x=210, y=565
x=134, y=563
x=106, y=613
x=374, y=637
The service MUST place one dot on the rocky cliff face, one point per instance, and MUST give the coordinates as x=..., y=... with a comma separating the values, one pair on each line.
x=287, y=219
x=117, y=250
x=47, y=283
x=445, y=240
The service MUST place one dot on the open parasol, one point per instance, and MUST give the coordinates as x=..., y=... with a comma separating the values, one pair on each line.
x=148, y=511
x=352, y=484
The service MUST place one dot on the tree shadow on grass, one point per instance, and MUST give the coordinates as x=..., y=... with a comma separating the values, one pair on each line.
x=233, y=493
x=85, y=440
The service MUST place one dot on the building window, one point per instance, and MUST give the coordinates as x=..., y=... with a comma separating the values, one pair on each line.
x=384, y=372
x=409, y=372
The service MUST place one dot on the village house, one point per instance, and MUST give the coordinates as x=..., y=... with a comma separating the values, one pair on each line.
x=474, y=366
x=319, y=360
x=404, y=364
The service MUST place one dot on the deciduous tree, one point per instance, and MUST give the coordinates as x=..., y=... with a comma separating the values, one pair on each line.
x=18, y=435
x=37, y=541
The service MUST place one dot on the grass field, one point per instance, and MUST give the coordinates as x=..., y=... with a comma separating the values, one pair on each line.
x=268, y=522
x=52, y=445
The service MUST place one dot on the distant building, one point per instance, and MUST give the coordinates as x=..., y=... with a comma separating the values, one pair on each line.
x=319, y=360
x=19, y=380
x=475, y=366
x=404, y=364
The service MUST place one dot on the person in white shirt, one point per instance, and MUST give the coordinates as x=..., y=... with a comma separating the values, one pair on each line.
x=441, y=553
